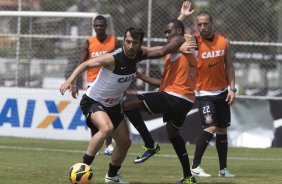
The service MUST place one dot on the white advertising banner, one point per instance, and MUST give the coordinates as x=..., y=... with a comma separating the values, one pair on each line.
x=41, y=113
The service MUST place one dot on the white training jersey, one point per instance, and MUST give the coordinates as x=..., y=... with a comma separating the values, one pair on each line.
x=109, y=86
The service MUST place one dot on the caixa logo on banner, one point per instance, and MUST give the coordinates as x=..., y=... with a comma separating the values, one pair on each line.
x=9, y=114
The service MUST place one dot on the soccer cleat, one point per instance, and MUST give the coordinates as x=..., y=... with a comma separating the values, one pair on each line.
x=115, y=179
x=198, y=171
x=189, y=180
x=225, y=173
x=146, y=153
x=109, y=150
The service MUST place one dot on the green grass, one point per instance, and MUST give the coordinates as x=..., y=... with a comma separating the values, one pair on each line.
x=36, y=161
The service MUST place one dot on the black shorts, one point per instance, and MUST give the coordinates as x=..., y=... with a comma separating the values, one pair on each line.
x=214, y=110
x=174, y=108
x=88, y=105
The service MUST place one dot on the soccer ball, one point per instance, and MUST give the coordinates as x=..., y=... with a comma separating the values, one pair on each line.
x=80, y=173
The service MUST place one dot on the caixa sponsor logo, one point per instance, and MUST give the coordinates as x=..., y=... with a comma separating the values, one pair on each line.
x=9, y=114
x=126, y=79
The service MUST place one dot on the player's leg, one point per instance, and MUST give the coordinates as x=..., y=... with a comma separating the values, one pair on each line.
x=222, y=149
x=123, y=142
x=132, y=107
x=173, y=124
x=98, y=121
x=103, y=123
x=224, y=117
x=208, y=118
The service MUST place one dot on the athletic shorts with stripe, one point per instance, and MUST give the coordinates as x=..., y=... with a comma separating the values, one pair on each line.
x=214, y=110
x=88, y=105
x=173, y=108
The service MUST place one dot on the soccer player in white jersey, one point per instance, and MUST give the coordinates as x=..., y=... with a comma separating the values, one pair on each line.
x=101, y=103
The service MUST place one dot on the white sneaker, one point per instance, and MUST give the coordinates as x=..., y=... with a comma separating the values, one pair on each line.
x=109, y=150
x=115, y=179
x=198, y=171
x=225, y=173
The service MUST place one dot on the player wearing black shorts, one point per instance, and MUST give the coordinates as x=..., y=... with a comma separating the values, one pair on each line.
x=215, y=91
x=174, y=100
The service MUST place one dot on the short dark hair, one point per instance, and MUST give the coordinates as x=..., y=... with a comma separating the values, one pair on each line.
x=203, y=13
x=177, y=24
x=100, y=17
x=135, y=32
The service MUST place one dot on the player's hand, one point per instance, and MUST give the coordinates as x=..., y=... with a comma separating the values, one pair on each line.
x=186, y=47
x=64, y=87
x=230, y=98
x=74, y=91
x=186, y=9
x=138, y=74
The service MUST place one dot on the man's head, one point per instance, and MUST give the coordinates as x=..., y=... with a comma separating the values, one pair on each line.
x=204, y=24
x=174, y=28
x=133, y=39
x=100, y=26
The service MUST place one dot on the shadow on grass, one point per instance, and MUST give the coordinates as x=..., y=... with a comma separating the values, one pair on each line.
x=197, y=183
x=218, y=183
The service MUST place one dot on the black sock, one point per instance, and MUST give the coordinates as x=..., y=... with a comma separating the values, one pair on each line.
x=88, y=159
x=108, y=140
x=201, y=146
x=113, y=170
x=180, y=149
x=221, y=147
x=137, y=121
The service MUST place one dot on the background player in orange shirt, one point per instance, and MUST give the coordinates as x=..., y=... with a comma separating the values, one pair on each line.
x=215, y=91
x=91, y=48
x=174, y=99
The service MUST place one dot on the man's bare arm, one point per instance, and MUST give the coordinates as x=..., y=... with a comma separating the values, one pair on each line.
x=150, y=80
x=106, y=60
x=160, y=51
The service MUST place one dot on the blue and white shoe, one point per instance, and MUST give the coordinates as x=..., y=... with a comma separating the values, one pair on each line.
x=146, y=153
x=109, y=150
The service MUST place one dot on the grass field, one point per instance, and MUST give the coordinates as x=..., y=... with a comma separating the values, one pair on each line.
x=35, y=161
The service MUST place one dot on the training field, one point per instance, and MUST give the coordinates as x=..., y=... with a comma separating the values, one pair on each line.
x=31, y=161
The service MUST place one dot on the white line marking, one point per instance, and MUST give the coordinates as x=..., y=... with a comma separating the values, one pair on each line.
x=134, y=154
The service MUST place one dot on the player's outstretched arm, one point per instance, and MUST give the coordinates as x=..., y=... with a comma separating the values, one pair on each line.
x=84, y=56
x=106, y=60
x=186, y=10
x=150, y=80
x=160, y=51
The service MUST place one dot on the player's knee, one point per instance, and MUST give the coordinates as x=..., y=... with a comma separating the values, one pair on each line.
x=132, y=102
x=107, y=129
x=205, y=137
x=125, y=145
x=211, y=129
x=172, y=131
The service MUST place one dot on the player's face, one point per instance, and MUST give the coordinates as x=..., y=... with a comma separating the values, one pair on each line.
x=100, y=27
x=131, y=46
x=204, y=25
x=170, y=32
